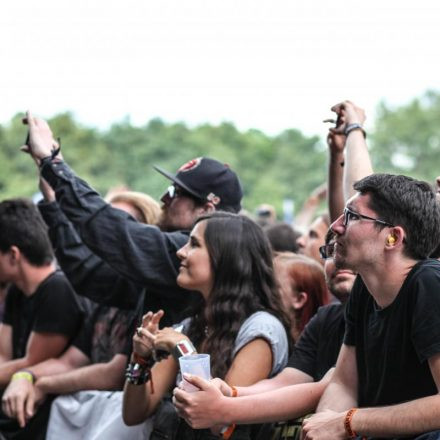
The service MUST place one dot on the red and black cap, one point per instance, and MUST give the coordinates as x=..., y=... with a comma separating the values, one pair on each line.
x=210, y=180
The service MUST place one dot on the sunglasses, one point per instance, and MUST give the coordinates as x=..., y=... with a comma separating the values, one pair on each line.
x=326, y=251
x=173, y=192
x=351, y=215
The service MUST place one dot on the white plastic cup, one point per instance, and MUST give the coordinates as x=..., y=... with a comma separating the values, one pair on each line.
x=196, y=365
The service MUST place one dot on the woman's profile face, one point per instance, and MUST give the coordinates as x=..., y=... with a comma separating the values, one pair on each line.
x=195, y=271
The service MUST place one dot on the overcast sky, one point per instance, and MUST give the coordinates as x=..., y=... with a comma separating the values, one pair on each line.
x=269, y=65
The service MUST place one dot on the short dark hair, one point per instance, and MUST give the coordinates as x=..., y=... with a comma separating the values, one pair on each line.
x=282, y=237
x=409, y=203
x=21, y=225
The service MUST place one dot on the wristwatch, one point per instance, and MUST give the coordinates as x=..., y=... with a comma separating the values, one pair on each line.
x=182, y=348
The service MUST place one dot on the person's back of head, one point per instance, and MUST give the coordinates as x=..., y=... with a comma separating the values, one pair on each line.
x=22, y=226
x=282, y=237
x=409, y=203
x=144, y=208
x=302, y=284
x=265, y=215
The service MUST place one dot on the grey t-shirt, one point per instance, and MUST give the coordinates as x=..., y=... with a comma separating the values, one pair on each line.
x=260, y=325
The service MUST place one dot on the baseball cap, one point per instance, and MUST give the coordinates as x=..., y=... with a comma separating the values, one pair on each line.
x=210, y=180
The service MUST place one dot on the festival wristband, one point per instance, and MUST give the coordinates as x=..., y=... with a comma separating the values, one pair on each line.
x=24, y=374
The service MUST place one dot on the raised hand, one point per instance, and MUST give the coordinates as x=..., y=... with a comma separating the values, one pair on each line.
x=40, y=140
x=167, y=338
x=348, y=113
x=145, y=335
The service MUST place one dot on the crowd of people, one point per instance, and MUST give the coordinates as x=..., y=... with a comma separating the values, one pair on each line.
x=326, y=329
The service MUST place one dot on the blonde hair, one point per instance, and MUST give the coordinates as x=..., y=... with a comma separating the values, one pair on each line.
x=148, y=209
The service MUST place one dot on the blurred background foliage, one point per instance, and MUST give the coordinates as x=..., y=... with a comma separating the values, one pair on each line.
x=404, y=140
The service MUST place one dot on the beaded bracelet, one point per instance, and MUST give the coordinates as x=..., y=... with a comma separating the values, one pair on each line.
x=347, y=423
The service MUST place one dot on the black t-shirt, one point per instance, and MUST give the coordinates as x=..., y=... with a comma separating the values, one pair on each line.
x=393, y=344
x=318, y=347
x=107, y=332
x=53, y=308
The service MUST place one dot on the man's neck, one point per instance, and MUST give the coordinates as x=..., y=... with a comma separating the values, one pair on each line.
x=384, y=281
x=32, y=276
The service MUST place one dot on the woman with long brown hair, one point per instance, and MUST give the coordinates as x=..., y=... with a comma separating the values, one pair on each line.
x=240, y=321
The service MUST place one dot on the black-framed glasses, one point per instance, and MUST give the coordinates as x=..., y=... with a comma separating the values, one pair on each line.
x=352, y=215
x=326, y=251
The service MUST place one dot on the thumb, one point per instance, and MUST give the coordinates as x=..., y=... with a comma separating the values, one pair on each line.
x=197, y=381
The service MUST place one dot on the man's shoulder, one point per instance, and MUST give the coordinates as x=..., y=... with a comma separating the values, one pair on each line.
x=330, y=312
x=425, y=272
x=56, y=280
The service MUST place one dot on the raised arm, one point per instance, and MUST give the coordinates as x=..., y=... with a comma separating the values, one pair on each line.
x=335, y=193
x=138, y=252
x=357, y=159
x=89, y=275
x=308, y=210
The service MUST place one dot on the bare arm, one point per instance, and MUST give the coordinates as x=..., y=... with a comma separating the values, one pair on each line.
x=41, y=346
x=102, y=376
x=410, y=418
x=287, y=377
x=308, y=210
x=139, y=403
x=341, y=393
x=210, y=407
x=402, y=420
x=357, y=159
x=5, y=343
x=138, y=400
x=335, y=198
x=19, y=398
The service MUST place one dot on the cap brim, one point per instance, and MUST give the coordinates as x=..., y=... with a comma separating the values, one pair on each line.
x=175, y=179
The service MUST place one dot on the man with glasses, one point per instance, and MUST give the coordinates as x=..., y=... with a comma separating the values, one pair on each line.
x=387, y=378
x=143, y=254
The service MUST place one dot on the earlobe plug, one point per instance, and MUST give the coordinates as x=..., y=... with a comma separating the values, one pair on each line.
x=391, y=239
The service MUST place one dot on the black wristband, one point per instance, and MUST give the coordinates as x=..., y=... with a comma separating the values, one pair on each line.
x=136, y=374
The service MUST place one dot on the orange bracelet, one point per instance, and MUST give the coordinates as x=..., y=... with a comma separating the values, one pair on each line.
x=347, y=423
x=226, y=435
x=228, y=431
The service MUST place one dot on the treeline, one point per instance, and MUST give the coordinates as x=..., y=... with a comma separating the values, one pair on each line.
x=272, y=168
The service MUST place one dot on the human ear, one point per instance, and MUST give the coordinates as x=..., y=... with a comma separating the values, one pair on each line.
x=300, y=300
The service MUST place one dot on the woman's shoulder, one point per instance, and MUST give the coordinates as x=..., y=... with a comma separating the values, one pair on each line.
x=261, y=318
x=264, y=325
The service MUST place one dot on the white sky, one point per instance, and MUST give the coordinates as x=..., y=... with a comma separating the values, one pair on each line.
x=262, y=64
